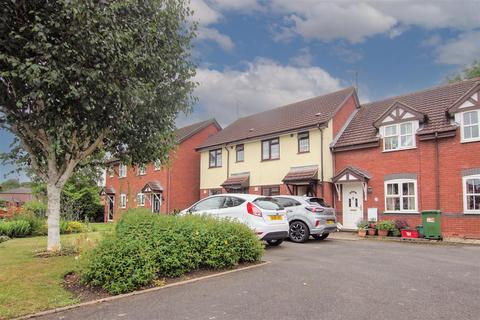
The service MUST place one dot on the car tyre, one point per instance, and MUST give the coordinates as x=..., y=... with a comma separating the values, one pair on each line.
x=298, y=232
x=274, y=243
x=321, y=237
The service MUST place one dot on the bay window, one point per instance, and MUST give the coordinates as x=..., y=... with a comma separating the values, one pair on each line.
x=401, y=196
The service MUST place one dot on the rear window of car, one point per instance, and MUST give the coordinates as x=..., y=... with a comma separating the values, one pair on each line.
x=319, y=201
x=267, y=203
x=286, y=202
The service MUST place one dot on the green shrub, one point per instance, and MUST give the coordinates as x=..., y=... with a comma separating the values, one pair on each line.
x=15, y=229
x=171, y=246
x=38, y=224
x=386, y=225
x=67, y=227
x=362, y=224
x=38, y=208
x=119, y=266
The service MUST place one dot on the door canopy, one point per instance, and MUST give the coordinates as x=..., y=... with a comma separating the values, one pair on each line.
x=237, y=181
x=351, y=174
x=152, y=187
x=301, y=175
x=107, y=191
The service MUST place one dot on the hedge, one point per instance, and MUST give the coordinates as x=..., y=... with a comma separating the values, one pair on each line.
x=145, y=247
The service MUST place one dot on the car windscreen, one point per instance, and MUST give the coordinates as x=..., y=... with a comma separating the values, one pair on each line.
x=267, y=203
x=319, y=201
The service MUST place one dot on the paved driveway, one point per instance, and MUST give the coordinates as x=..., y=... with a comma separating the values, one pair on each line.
x=331, y=279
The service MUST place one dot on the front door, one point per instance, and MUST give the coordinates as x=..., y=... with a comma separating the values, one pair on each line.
x=352, y=205
x=110, y=200
x=156, y=202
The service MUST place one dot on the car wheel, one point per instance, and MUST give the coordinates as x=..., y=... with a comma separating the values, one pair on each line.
x=321, y=237
x=274, y=243
x=298, y=232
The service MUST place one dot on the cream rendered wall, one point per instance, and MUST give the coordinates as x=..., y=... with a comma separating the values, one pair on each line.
x=273, y=171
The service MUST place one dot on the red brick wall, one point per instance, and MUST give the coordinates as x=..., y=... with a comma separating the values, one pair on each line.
x=180, y=181
x=454, y=156
x=342, y=115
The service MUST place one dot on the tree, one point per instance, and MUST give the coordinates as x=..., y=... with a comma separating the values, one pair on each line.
x=82, y=76
x=9, y=184
x=473, y=71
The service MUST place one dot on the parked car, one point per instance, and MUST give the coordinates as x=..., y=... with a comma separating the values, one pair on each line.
x=262, y=214
x=308, y=216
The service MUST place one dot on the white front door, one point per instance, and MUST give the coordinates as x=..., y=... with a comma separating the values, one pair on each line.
x=352, y=205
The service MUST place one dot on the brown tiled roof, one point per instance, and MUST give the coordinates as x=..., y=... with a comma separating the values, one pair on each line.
x=153, y=186
x=303, y=114
x=298, y=174
x=432, y=102
x=237, y=180
x=186, y=132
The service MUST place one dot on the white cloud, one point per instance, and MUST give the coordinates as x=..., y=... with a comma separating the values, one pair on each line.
x=431, y=41
x=355, y=21
x=264, y=84
x=460, y=51
x=224, y=41
x=204, y=14
x=346, y=54
x=303, y=59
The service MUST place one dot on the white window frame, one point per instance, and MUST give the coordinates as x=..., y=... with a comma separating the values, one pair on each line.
x=123, y=201
x=142, y=170
x=122, y=171
x=141, y=199
x=399, y=135
x=157, y=165
x=400, y=195
x=465, y=195
x=462, y=126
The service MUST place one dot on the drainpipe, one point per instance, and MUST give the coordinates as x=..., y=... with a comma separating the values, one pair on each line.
x=320, y=127
x=437, y=171
x=228, y=161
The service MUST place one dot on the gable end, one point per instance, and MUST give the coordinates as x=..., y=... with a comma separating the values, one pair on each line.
x=398, y=112
x=469, y=101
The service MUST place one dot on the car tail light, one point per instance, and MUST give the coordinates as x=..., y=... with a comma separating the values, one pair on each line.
x=251, y=209
x=314, y=209
x=317, y=223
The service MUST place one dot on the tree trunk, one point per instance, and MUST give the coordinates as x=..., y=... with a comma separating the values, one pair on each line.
x=53, y=193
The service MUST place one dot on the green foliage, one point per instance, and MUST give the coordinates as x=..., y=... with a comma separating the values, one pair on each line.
x=386, y=225
x=363, y=224
x=15, y=229
x=71, y=227
x=167, y=246
x=38, y=224
x=470, y=72
x=9, y=184
x=35, y=207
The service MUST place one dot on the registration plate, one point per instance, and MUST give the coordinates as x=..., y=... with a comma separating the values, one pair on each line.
x=276, y=217
x=330, y=221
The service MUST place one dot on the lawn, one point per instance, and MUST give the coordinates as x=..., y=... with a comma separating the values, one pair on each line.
x=29, y=284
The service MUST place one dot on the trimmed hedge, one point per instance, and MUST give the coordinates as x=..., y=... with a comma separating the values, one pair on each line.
x=145, y=247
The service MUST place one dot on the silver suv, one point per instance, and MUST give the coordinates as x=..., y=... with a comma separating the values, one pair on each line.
x=308, y=216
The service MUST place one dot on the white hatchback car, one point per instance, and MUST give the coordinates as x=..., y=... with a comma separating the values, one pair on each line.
x=262, y=214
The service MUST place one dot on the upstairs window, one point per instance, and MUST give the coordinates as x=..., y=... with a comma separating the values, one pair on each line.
x=271, y=149
x=471, y=193
x=303, y=142
x=142, y=170
x=471, y=125
x=157, y=165
x=398, y=136
x=122, y=171
x=240, y=152
x=215, y=158
x=401, y=196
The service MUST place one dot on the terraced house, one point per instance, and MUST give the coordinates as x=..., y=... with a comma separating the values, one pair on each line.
x=280, y=151
x=160, y=188
x=415, y=152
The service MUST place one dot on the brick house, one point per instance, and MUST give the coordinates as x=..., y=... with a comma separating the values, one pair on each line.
x=415, y=152
x=162, y=189
x=16, y=197
x=285, y=150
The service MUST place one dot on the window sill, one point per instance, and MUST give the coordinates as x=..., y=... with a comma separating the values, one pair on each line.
x=239, y=161
x=302, y=152
x=401, y=212
x=401, y=149
x=472, y=213
x=470, y=140
x=266, y=160
x=214, y=167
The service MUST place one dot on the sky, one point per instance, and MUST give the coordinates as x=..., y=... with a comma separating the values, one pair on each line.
x=254, y=55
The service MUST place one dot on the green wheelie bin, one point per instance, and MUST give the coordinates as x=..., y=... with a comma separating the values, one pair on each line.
x=432, y=224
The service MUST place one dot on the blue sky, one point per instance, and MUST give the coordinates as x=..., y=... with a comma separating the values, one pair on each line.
x=254, y=55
